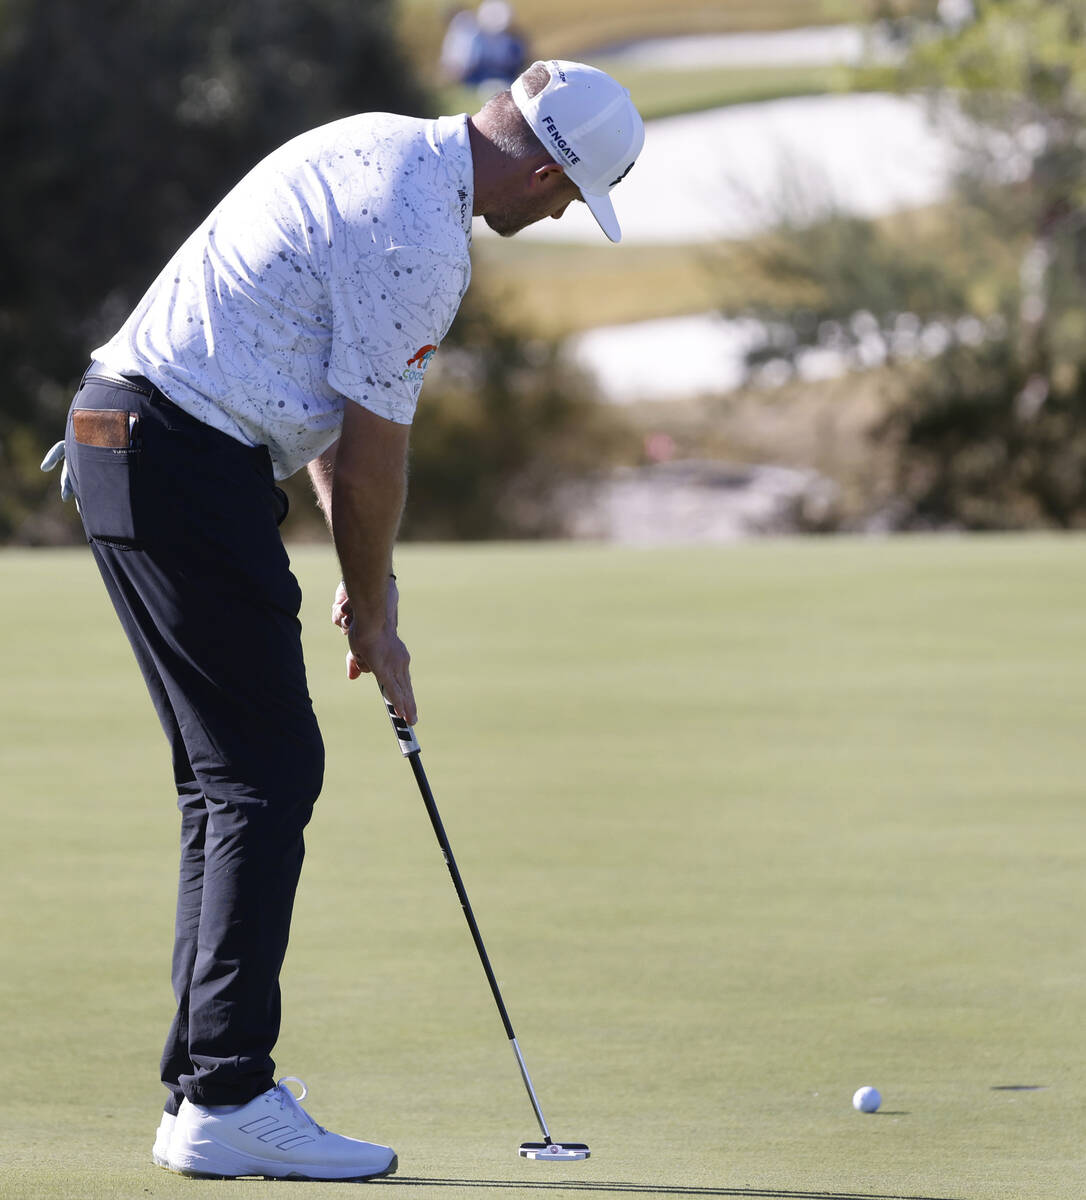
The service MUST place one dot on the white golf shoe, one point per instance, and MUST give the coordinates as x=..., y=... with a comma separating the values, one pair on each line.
x=271, y=1136
x=160, y=1152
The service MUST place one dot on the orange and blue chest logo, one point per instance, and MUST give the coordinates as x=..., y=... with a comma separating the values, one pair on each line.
x=418, y=362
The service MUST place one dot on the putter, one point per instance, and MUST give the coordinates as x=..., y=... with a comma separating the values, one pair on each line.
x=547, y=1150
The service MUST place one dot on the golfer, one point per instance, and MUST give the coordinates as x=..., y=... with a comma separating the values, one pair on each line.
x=293, y=329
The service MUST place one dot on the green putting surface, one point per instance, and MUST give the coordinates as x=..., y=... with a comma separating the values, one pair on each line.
x=744, y=828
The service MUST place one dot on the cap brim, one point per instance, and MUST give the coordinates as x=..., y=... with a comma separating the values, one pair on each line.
x=604, y=212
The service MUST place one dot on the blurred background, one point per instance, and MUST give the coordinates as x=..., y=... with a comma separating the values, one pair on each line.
x=848, y=298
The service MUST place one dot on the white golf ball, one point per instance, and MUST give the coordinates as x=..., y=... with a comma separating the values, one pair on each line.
x=867, y=1100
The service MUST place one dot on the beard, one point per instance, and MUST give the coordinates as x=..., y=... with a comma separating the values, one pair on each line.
x=506, y=223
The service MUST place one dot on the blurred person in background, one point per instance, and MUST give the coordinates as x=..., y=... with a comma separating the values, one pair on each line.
x=497, y=53
x=461, y=29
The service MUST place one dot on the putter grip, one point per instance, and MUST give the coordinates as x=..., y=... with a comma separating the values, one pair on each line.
x=405, y=735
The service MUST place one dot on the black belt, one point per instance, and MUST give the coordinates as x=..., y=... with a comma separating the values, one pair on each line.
x=135, y=383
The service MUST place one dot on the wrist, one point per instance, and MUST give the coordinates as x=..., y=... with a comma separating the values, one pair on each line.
x=343, y=582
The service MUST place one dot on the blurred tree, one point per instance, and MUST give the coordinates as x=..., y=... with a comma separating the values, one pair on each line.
x=993, y=434
x=504, y=422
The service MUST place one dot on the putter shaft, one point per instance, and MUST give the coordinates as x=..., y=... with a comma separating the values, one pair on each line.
x=412, y=751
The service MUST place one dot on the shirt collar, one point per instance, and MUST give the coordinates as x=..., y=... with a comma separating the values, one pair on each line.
x=452, y=137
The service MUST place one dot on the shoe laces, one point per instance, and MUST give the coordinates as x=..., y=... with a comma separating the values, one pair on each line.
x=292, y=1103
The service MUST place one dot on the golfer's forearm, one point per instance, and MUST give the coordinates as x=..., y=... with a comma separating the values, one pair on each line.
x=365, y=518
x=321, y=473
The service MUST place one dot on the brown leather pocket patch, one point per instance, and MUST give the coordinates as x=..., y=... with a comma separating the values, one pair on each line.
x=108, y=427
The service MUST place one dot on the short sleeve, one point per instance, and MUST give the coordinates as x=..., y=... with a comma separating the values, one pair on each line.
x=390, y=312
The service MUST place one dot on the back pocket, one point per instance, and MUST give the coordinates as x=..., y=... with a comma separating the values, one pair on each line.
x=106, y=477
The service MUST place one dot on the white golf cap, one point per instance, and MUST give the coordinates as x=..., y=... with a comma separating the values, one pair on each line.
x=589, y=124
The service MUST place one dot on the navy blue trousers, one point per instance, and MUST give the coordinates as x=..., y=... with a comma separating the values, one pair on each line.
x=183, y=523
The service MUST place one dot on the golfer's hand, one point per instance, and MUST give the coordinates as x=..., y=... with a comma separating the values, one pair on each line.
x=376, y=648
x=342, y=613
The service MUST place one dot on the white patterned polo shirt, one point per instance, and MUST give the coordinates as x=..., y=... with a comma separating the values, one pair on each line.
x=330, y=272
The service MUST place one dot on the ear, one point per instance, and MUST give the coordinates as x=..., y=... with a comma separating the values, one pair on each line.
x=545, y=173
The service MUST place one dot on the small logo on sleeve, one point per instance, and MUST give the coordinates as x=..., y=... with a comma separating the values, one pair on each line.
x=418, y=362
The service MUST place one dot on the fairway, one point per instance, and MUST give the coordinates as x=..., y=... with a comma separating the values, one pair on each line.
x=745, y=828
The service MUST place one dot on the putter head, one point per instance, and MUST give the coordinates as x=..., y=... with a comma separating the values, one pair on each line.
x=555, y=1151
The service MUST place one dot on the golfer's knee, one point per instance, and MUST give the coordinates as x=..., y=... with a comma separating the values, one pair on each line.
x=290, y=773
